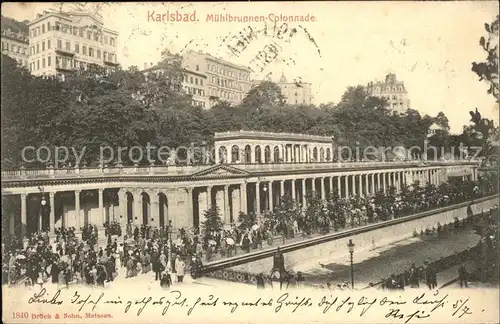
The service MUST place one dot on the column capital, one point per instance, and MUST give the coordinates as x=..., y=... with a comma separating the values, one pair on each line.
x=51, y=194
x=78, y=191
x=101, y=190
x=24, y=195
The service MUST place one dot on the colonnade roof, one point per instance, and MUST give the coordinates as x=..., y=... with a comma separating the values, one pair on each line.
x=255, y=135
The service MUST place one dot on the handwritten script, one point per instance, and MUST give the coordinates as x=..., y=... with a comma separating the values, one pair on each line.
x=395, y=308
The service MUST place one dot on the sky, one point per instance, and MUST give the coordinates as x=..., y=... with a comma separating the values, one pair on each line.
x=428, y=45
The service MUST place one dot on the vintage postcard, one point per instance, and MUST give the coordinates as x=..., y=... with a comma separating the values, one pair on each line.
x=250, y=162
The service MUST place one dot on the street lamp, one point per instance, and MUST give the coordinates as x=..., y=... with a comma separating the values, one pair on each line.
x=350, y=246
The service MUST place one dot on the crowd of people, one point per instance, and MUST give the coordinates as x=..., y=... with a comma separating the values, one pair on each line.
x=144, y=249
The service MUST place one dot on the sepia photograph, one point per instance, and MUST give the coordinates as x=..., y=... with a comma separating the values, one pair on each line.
x=256, y=162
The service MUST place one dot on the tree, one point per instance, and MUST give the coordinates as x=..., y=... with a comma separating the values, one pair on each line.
x=488, y=70
x=246, y=220
x=442, y=121
x=213, y=220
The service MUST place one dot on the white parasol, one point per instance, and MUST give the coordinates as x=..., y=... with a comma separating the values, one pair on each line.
x=212, y=242
x=20, y=257
x=255, y=227
x=229, y=241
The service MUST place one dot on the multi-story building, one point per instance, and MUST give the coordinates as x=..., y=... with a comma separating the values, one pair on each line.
x=15, y=41
x=393, y=91
x=225, y=81
x=210, y=79
x=193, y=83
x=62, y=42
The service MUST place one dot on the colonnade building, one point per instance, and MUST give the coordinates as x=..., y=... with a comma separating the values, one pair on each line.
x=261, y=168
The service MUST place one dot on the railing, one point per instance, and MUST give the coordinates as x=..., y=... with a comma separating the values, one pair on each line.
x=183, y=170
x=289, y=136
x=239, y=259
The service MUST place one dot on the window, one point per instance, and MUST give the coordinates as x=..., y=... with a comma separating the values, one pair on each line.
x=91, y=52
x=112, y=41
x=68, y=46
x=88, y=35
x=191, y=80
x=37, y=48
x=75, y=31
x=197, y=67
x=80, y=31
x=201, y=81
x=38, y=64
x=58, y=26
x=84, y=50
x=49, y=59
x=77, y=48
x=98, y=54
x=104, y=56
x=59, y=44
x=43, y=63
x=48, y=44
x=105, y=39
x=48, y=25
x=196, y=81
x=43, y=28
x=43, y=46
x=96, y=37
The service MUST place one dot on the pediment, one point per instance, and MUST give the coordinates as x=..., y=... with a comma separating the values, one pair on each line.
x=221, y=170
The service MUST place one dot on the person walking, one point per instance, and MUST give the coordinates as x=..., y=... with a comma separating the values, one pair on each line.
x=179, y=268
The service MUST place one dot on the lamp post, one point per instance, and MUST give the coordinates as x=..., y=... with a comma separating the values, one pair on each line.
x=169, y=231
x=43, y=203
x=350, y=246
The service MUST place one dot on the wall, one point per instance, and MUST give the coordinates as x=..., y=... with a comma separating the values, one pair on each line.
x=368, y=240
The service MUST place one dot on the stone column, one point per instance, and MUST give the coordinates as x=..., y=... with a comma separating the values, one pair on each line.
x=122, y=203
x=257, y=197
x=155, y=208
x=138, y=208
x=331, y=184
x=23, y=215
x=282, y=188
x=384, y=183
x=323, y=195
x=304, y=193
x=270, y=196
x=209, y=197
x=338, y=186
x=353, y=183
x=100, y=193
x=373, y=183
x=227, y=212
x=77, y=210
x=52, y=221
x=346, y=186
x=294, y=194
x=243, y=199
x=367, y=180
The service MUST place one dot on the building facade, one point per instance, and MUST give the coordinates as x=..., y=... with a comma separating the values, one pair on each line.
x=294, y=93
x=155, y=195
x=393, y=91
x=16, y=46
x=64, y=42
x=225, y=81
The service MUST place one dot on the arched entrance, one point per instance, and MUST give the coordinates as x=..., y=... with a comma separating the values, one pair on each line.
x=235, y=154
x=223, y=154
x=258, y=153
x=248, y=154
x=267, y=154
x=276, y=154
x=315, y=154
x=322, y=155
